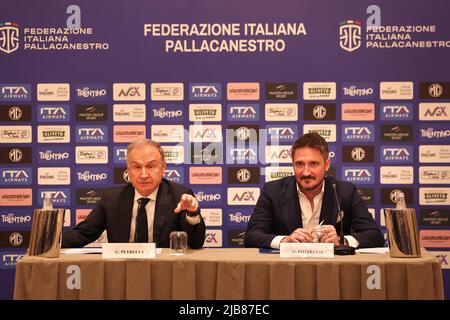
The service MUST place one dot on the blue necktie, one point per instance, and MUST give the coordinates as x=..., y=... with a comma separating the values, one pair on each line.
x=141, y=221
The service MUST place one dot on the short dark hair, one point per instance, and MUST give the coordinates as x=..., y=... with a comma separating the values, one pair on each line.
x=311, y=140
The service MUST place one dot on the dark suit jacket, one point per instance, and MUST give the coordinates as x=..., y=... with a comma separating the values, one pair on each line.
x=113, y=213
x=278, y=213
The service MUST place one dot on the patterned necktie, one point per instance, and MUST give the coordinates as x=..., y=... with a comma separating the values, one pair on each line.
x=141, y=234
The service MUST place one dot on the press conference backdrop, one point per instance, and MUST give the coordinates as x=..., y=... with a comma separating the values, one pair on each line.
x=226, y=87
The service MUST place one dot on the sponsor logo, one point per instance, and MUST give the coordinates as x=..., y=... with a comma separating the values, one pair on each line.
x=167, y=133
x=358, y=153
x=53, y=92
x=434, y=175
x=53, y=113
x=15, y=176
x=91, y=134
x=434, y=111
x=243, y=112
x=359, y=175
x=53, y=155
x=15, y=197
x=89, y=196
x=208, y=196
x=81, y=215
x=439, y=133
x=433, y=217
x=350, y=35
x=319, y=90
x=322, y=111
x=60, y=197
x=396, y=90
x=443, y=257
x=212, y=217
x=396, y=175
x=358, y=112
x=236, y=238
x=90, y=92
x=205, y=91
x=9, y=259
x=240, y=217
x=167, y=112
x=241, y=156
x=390, y=154
x=15, y=219
x=92, y=176
x=285, y=133
x=175, y=175
x=129, y=91
x=53, y=175
x=15, y=134
x=129, y=112
x=367, y=194
x=174, y=154
x=434, y=196
x=14, y=239
x=53, y=134
x=13, y=113
x=281, y=111
x=9, y=37
x=434, y=90
x=275, y=173
x=213, y=239
x=205, y=112
x=205, y=175
x=207, y=153
x=205, y=133
x=243, y=133
x=435, y=238
x=128, y=133
x=243, y=175
x=167, y=91
x=243, y=91
x=434, y=153
x=396, y=132
x=358, y=91
x=91, y=112
x=281, y=91
x=121, y=175
x=388, y=195
x=242, y=196
x=358, y=132
x=87, y=154
x=13, y=155
x=278, y=154
x=15, y=92
x=397, y=111
x=120, y=155
x=327, y=131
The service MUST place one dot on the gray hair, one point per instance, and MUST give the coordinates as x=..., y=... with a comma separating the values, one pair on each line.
x=146, y=142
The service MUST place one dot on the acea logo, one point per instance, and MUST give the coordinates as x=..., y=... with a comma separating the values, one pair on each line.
x=350, y=35
x=360, y=175
x=9, y=37
x=174, y=174
x=205, y=91
x=15, y=176
x=52, y=113
x=396, y=154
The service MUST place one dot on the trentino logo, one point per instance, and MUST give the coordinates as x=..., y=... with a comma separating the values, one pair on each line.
x=167, y=113
x=205, y=91
x=358, y=91
x=350, y=35
x=53, y=155
x=9, y=37
x=396, y=154
x=364, y=175
x=92, y=176
x=439, y=133
x=90, y=91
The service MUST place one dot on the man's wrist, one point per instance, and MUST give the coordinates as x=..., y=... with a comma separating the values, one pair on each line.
x=193, y=214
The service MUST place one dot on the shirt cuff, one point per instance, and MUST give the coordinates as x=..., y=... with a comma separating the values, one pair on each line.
x=193, y=220
x=275, y=244
x=352, y=242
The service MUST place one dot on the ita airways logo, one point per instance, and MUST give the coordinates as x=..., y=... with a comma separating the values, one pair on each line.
x=350, y=35
x=9, y=37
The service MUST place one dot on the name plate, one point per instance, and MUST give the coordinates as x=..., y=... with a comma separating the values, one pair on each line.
x=306, y=250
x=129, y=250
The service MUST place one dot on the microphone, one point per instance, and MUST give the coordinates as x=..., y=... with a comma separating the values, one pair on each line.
x=341, y=249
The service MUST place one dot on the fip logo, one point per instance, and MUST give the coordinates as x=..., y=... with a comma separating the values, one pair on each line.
x=350, y=35
x=9, y=37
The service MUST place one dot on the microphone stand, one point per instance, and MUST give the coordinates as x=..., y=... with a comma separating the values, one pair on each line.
x=341, y=249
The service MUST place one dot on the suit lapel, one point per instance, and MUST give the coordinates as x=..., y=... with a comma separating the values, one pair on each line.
x=162, y=208
x=329, y=208
x=290, y=205
x=124, y=211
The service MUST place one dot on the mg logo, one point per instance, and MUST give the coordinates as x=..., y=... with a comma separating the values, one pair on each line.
x=435, y=90
x=16, y=239
x=358, y=154
x=9, y=37
x=243, y=175
x=15, y=155
x=438, y=111
x=15, y=113
x=393, y=193
x=243, y=133
x=319, y=112
x=350, y=35
x=125, y=176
